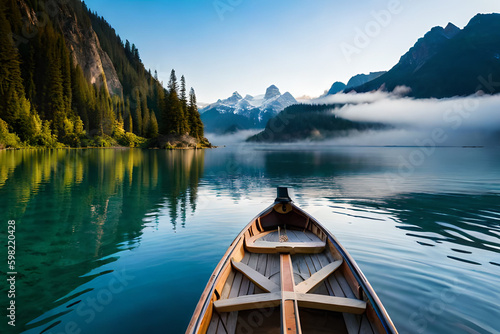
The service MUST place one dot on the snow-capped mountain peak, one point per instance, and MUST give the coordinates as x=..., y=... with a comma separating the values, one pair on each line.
x=236, y=104
x=271, y=92
x=247, y=112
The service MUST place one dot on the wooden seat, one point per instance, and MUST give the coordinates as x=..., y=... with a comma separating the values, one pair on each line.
x=330, y=303
x=249, y=302
x=265, y=300
x=254, y=245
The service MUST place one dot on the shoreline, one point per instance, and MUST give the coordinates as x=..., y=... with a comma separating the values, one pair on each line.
x=108, y=148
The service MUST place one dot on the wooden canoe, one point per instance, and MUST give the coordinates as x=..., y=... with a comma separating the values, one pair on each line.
x=285, y=273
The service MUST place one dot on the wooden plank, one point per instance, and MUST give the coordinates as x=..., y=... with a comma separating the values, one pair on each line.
x=289, y=314
x=302, y=236
x=313, y=265
x=248, y=302
x=255, y=277
x=351, y=321
x=310, y=264
x=214, y=322
x=346, y=288
x=317, y=278
x=229, y=320
x=261, y=269
x=329, y=303
x=323, y=287
x=273, y=270
x=252, y=263
x=227, y=287
x=273, y=237
x=296, y=271
x=374, y=319
x=307, y=223
x=289, y=317
x=245, y=282
x=365, y=327
x=259, y=236
x=311, y=236
x=292, y=237
x=269, y=247
x=218, y=327
x=261, y=264
x=351, y=280
x=304, y=270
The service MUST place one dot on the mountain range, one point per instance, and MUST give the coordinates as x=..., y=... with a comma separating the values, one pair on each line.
x=355, y=81
x=242, y=113
x=448, y=62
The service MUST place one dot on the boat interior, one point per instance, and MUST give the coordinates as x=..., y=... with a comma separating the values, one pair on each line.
x=284, y=275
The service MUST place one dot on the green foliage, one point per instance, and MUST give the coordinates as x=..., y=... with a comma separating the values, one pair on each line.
x=46, y=98
x=195, y=124
x=131, y=140
x=152, y=129
x=8, y=139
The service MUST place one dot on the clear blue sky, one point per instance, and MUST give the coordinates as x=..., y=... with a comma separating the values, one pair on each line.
x=301, y=46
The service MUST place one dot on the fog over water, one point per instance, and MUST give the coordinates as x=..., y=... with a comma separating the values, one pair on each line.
x=458, y=121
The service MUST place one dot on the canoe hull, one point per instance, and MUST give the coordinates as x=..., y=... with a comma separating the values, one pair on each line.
x=313, y=252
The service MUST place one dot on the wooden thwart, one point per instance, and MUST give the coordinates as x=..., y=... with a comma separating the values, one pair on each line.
x=257, y=278
x=317, y=278
x=329, y=303
x=264, y=300
x=249, y=302
x=269, y=247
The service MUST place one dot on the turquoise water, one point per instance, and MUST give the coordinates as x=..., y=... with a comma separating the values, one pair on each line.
x=124, y=241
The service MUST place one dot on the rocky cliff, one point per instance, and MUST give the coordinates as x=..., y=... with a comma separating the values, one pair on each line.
x=81, y=40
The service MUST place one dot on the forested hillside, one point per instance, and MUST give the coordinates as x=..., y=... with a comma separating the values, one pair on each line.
x=312, y=123
x=67, y=79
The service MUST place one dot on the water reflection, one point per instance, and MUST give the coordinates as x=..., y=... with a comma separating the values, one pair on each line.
x=458, y=220
x=84, y=215
x=75, y=208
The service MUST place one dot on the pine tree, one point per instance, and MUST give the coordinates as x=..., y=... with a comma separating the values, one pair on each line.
x=11, y=87
x=194, y=117
x=138, y=113
x=127, y=117
x=172, y=112
x=145, y=115
x=183, y=117
x=55, y=104
x=152, y=131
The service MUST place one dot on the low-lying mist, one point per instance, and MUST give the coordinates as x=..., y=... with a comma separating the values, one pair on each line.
x=232, y=138
x=458, y=121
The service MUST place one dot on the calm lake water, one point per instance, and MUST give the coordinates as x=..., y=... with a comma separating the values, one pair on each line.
x=124, y=241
